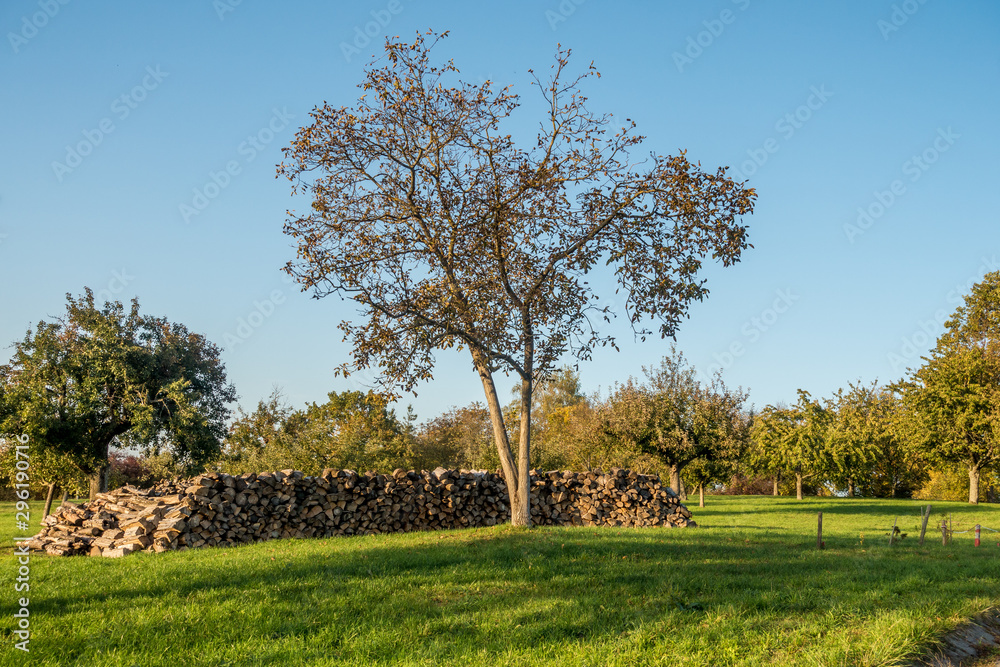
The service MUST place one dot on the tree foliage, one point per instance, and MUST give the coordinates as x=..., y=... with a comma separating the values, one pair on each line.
x=107, y=375
x=351, y=430
x=677, y=418
x=955, y=396
x=793, y=440
x=446, y=234
x=870, y=452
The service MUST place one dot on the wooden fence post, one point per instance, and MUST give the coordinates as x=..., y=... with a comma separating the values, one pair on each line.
x=892, y=533
x=923, y=524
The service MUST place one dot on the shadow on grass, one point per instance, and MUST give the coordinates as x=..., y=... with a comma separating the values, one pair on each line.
x=490, y=588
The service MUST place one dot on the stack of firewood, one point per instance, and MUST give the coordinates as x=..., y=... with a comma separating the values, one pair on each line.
x=221, y=510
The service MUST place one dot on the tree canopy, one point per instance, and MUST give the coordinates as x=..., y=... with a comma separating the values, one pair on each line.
x=955, y=396
x=794, y=439
x=446, y=233
x=351, y=430
x=103, y=375
x=677, y=418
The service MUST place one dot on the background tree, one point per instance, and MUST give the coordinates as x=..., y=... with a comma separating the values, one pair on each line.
x=252, y=433
x=675, y=417
x=52, y=473
x=103, y=375
x=445, y=234
x=794, y=439
x=869, y=448
x=899, y=466
x=955, y=395
x=459, y=438
x=720, y=458
x=559, y=409
x=351, y=430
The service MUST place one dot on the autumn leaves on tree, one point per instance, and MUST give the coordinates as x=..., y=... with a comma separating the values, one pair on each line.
x=447, y=234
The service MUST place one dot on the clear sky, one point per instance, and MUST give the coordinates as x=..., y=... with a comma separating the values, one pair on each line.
x=868, y=128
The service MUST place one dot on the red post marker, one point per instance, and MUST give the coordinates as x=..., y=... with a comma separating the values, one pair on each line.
x=977, y=534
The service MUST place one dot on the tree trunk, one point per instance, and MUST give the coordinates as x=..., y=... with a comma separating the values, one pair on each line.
x=798, y=486
x=520, y=502
x=775, y=486
x=850, y=488
x=99, y=480
x=48, y=499
x=683, y=492
x=523, y=515
x=675, y=478
x=65, y=496
x=974, y=485
x=701, y=495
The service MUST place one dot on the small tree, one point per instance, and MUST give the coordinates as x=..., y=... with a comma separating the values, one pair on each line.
x=459, y=438
x=445, y=234
x=676, y=418
x=954, y=397
x=794, y=439
x=50, y=471
x=103, y=375
x=869, y=449
x=254, y=432
x=719, y=461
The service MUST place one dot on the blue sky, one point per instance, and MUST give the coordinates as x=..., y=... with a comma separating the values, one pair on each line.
x=868, y=128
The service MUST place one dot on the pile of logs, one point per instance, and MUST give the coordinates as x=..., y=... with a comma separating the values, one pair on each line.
x=216, y=509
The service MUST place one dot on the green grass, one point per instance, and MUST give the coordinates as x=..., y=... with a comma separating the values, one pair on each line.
x=746, y=588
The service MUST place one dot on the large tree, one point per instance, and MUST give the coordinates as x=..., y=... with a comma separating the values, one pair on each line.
x=104, y=375
x=446, y=234
x=955, y=396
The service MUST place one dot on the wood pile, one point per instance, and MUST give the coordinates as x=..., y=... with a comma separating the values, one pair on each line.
x=216, y=509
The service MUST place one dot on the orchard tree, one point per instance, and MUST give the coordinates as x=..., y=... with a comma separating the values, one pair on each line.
x=459, y=438
x=351, y=430
x=794, y=439
x=99, y=376
x=870, y=451
x=955, y=395
x=719, y=462
x=252, y=432
x=445, y=233
x=676, y=417
x=558, y=413
x=50, y=470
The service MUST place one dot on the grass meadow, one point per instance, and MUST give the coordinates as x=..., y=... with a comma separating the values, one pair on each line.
x=748, y=587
